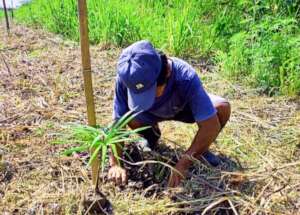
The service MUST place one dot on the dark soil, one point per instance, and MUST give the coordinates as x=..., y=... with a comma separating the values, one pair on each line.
x=96, y=203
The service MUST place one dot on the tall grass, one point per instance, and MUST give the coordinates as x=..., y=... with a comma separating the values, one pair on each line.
x=257, y=39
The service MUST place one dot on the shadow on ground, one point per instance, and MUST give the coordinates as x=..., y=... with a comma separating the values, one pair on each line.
x=204, y=183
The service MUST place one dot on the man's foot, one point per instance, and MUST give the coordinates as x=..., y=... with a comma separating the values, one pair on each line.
x=211, y=158
x=143, y=145
x=151, y=136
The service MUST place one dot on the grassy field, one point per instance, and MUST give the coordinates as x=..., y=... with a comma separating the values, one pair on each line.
x=257, y=42
x=41, y=90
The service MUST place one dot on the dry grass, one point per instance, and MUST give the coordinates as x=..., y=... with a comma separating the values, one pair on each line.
x=41, y=89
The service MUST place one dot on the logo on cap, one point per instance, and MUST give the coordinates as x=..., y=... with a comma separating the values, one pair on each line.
x=139, y=86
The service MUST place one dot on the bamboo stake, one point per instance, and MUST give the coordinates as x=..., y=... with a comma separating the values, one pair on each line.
x=87, y=76
x=6, y=16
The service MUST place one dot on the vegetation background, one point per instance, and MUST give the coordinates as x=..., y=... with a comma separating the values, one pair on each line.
x=252, y=41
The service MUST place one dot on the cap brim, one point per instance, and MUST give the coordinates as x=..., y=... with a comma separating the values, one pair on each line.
x=141, y=101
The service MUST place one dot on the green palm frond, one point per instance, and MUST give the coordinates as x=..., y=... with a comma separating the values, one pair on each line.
x=101, y=139
x=76, y=149
x=94, y=155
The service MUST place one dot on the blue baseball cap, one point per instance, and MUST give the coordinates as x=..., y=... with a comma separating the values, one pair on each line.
x=138, y=68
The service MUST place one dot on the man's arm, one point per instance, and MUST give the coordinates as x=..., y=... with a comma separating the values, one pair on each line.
x=208, y=130
x=208, y=126
x=116, y=173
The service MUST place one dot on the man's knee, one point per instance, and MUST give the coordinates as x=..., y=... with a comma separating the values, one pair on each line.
x=133, y=124
x=223, y=112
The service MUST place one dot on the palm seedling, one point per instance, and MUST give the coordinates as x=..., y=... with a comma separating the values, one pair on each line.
x=100, y=139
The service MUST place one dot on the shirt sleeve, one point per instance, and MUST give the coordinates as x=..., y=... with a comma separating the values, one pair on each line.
x=199, y=101
x=120, y=100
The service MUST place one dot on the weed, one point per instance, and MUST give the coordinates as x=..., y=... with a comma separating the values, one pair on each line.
x=257, y=41
x=268, y=54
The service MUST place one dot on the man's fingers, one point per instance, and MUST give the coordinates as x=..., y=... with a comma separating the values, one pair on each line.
x=174, y=180
x=171, y=181
x=117, y=175
x=112, y=175
x=118, y=178
x=124, y=178
x=114, y=178
x=109, y=174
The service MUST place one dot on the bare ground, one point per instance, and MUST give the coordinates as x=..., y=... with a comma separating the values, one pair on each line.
x=41, y=89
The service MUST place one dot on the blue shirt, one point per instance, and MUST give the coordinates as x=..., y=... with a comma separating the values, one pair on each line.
x=183, y=92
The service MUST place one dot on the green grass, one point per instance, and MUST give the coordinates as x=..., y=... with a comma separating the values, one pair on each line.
x=250, y=41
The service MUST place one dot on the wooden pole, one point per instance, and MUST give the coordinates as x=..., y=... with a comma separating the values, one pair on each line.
x=87, y=76
x=6, y=16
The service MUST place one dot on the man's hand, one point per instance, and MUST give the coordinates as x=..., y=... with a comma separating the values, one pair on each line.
x=182, y=167
x=207, y=133
x=118, y=175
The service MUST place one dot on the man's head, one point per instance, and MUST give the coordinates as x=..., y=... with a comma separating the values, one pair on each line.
x=139, y=68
